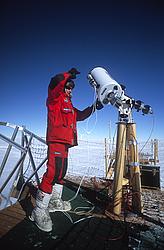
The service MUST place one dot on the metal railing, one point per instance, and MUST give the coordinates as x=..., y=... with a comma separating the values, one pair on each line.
x=21, y=140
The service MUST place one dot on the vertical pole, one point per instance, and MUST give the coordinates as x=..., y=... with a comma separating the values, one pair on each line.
x=119, y=167
x=106, y=163
x=133, y=159
x=155, y=151
x=8, y=150
x=19, y=180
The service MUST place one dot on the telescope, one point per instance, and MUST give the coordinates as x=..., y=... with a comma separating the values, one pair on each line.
x=111, y=92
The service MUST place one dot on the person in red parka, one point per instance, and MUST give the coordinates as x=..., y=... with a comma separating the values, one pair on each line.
x=61, y=135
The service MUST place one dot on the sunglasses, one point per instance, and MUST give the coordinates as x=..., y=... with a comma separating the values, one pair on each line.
x=67, y=87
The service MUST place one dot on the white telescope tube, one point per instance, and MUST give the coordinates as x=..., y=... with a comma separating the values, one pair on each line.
x=107, y=89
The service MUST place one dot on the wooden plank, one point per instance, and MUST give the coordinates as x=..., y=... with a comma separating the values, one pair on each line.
x=7, y=223
x=13, y=215
x=17, y=209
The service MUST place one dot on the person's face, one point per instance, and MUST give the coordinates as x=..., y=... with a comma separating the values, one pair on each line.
x=68, y=91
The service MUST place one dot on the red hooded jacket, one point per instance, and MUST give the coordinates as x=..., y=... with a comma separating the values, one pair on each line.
x=62, y=116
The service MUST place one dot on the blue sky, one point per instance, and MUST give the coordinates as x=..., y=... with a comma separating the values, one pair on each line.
x=42, y=38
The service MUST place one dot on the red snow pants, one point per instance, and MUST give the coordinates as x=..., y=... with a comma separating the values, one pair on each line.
x=56, y=166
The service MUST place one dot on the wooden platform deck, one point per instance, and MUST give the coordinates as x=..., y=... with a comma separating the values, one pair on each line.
x=10, y=217
x=77, y=229
x=80, y=228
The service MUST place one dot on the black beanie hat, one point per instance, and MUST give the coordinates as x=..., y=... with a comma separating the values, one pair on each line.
x=69, y=84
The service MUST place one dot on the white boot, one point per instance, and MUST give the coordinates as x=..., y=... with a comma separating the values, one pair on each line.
x=56, y=203
x=40, y=214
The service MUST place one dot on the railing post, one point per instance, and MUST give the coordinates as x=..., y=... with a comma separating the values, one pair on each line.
x=8, y=150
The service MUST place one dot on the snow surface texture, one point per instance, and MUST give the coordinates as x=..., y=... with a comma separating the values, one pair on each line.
x=86, y=159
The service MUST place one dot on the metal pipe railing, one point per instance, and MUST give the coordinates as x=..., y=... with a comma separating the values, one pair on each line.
x=18, y=169
x=8, y=150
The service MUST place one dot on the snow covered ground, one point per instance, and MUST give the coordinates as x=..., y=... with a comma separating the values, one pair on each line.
x=87, y=159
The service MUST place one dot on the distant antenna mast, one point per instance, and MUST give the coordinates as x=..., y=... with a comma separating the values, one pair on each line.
x=110, y=138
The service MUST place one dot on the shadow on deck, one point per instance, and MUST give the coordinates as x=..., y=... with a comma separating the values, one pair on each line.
x=89, y=225
x=77, y=229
